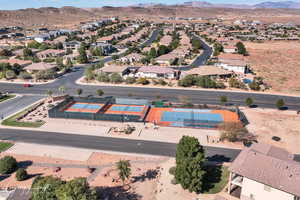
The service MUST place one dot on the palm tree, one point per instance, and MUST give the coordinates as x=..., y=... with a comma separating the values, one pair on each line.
x=49, y=93
x=62, y=89
x=79, y=91
x=124, y=169
x=223, y=100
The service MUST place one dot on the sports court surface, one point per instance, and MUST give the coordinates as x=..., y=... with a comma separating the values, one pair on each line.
x=194, y=118
x=125, y=109
x=84, y=107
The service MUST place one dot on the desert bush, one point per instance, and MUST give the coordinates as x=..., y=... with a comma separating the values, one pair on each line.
x=233, y=131
x=21, y=174
x=8, y=164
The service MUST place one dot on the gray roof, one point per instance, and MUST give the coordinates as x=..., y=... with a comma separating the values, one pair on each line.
x=269, y=165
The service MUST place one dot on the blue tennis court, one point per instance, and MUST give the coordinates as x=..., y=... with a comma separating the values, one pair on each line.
x=169, y=116
x=126, y=108
x=86, y=106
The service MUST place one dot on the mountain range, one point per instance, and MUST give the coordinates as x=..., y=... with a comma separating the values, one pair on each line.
x=267, y=4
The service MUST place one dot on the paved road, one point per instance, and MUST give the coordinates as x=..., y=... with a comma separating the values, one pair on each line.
x=104, y=143
x=207, y=51
x=194, y=96
x=14, y=105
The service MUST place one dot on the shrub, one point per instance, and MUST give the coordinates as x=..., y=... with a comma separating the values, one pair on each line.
x=172, y=170
x=8, y=164
x=25, y=75
x=10, y=74
x=130, y=80
x=233, y=131
x=143, y=81
x=21, y=174
x=103, y=77
x=116, y=78
x=162, y=82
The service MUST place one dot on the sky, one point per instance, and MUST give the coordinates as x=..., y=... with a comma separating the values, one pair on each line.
x=19, y=4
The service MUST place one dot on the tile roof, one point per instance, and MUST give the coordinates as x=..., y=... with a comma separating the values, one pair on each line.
x=156, y=69
x=40, y=66
x=269, y=165
x=208, y=71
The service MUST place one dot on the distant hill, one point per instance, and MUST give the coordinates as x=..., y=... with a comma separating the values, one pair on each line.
x=68, y=17
x=281, y=4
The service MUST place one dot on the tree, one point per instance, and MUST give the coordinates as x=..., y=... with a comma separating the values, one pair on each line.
x=69, y=63
x=27, y=52
x=152, y=53
x=241, y=49
x=249, y=101
x=124, y=169
x=223, y=100
x=196, y=44
x=190, y=157
x=280, y=103
x=162, y=49
x=62, y=89
x=8, y=164
x=82, y=58
x=43, y=188
x=99, y=92
x=79, y=91
x=49, y=93
x=5, y=52
x=21, y=174
x=76, y=189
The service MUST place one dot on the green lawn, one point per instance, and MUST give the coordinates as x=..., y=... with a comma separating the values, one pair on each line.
x=6, y=97
x=4, y=146
x=12, y=121
x=215, y=179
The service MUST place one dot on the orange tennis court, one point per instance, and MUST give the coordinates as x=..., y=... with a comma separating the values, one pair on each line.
x=194, y=118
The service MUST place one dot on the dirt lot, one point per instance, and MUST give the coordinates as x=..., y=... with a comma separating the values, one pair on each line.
x=278, y=62
x=266, y=123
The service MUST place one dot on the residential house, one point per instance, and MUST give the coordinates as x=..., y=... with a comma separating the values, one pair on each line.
x=41, y=38
x=105, y=48
x=110, y=69
x=264, y=172
x=73, y=45
x=230, y=49
x=238, y=66
x=36, y=67
x=131, y=58
x=49, y=53
x=22, y=63
x=209, y=70
x=157, y=72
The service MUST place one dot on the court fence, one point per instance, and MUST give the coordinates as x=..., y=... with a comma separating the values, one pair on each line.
x=58, y=111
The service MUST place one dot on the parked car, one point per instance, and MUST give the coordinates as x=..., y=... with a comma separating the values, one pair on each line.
x=27, y=85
